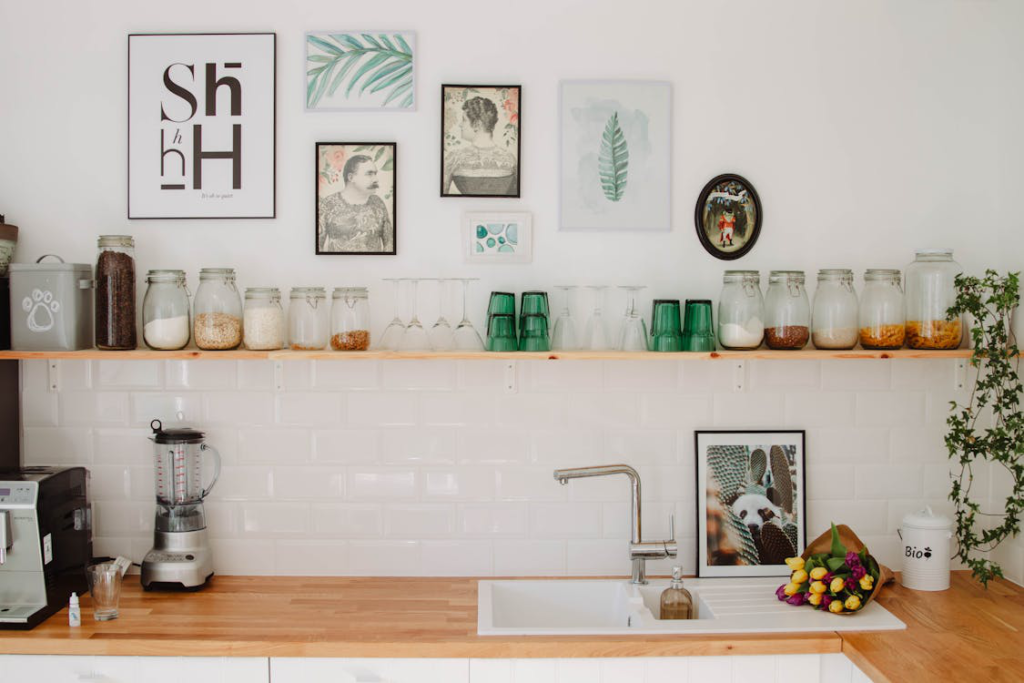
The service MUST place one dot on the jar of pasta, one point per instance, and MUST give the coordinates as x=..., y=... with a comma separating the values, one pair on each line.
x=881, y=310
x=931, y=291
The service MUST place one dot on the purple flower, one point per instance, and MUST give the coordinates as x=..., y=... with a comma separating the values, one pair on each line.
x=859, y=572
x=826, y=599
x=797, y=599
x=851, y=584
x=828, y=578
x=852, y=560
x=781, y=592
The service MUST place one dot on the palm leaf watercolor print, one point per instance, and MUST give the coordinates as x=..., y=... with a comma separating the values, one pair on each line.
x=613, y=161
x=357, y=65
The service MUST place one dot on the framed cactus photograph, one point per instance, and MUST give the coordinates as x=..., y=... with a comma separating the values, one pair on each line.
x=750, y=502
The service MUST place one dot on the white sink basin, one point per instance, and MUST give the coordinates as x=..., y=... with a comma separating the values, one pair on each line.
x=610, y=607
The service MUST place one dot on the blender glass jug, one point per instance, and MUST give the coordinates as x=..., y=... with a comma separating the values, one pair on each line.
x=179, y=477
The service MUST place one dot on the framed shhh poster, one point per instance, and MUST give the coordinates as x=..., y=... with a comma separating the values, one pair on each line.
x=201, y=125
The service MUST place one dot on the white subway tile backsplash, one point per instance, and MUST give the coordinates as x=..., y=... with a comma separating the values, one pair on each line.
x=420, y=374
x=564, y=447
x=638, y=446
x=848, y=445
x=310, y=409
x=310, y=558
x=202, y=375
x=166, y=407
x=529, y=558
x=222, y=519
x=746, y=411
x=81, y=408
x=529, y=483
x=669, y=410
x=785, y=375
x=273, y=445
x=348, y=520
x=256, y=375
x=238, y=408
x=530, y=411
x=456, y=409
x=274, y=519
x=39, y=408
x=74, y=375
x=891, y=409
x=829, y=482
x=384, y=558
x=563, y=520
x=603, y=489
x=493, y=519
x=668, y=483
x=379, y=483
x=919, y=374
x=64, y=446
x=484, y=375
x=704, y=377
x=123, y=518
x=352, y=446
x=350, y=375
x=887, y=481
x=112, y=445
x=431, y=446
x=419, y=521
x=641, y=376
x=127, y=374
x=241, y=483
x=305, y=483
x=249, y=557
x=606, y=557
x=110, y=482
x=603, y=410
x=867, y=517
x=819, y=409
x=463, y=483
x=493, y=446
x=297, y=375
x=385, y=409
x=561, y=376
x=842, y=375
x=918, y=444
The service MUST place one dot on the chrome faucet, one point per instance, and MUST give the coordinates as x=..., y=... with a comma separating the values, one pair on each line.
x=639, y=550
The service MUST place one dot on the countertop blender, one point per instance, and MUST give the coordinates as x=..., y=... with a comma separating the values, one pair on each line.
x=181, y=556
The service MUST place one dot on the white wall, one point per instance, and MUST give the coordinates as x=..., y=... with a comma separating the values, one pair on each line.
x=868, y=128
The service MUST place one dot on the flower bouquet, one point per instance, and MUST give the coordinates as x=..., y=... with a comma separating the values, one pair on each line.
x=836, y=573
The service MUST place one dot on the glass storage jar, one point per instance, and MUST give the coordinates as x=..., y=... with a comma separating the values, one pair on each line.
x=350, y=319
x=115, y=293
x=881, y=310
x=263, y=319
x=741, y=310
x=217, y=319
x=787, y=313
x=308, y=319
x=834, y=314
x=930, y=293
x=166, y=314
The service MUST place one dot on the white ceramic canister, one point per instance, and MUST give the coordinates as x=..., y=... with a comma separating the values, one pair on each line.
x=926, y=542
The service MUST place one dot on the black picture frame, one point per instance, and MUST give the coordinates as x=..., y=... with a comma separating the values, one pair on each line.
x=702, y=201
x=799, y=506
x=128, y=107
x=519, y=143
x=394, y=199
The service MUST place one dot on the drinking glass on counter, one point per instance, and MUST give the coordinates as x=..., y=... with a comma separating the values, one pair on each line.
x=666, y=331
x=105, y=588
x=465, y=337
x=392, y=335
x=564, y=336
x=534, y=335
x=633, y=335
x=596, y=338
x=501, y=333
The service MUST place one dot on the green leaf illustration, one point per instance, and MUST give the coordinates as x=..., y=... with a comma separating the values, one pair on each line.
x=364, y=64
x=613, y=160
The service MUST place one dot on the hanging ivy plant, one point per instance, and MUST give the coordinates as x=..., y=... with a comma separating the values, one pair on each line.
x=995, y=401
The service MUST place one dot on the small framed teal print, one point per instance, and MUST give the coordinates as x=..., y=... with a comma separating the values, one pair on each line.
x=490, y=237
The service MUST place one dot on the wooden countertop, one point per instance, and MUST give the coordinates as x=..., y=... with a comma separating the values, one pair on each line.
x=965, y=633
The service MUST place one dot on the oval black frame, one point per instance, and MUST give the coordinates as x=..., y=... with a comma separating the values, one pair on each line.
x=699, y=218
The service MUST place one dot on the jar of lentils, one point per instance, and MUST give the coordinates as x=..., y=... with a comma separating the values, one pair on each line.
x=881, y=310
x=787, y=311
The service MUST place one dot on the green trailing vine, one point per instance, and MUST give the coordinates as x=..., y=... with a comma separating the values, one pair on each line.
x=995, y=400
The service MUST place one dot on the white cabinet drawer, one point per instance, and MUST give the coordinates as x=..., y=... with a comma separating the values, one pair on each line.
x=65, y=669
x=285, y=670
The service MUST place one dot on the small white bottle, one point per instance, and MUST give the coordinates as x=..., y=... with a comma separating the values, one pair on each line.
x=74, y=611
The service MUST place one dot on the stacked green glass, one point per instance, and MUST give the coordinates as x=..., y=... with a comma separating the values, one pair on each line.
x=698, y=330
x=503, y=306
x=533, y=322
x=666, y=331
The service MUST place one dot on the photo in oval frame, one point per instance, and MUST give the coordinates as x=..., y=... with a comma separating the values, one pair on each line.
x=728, y=217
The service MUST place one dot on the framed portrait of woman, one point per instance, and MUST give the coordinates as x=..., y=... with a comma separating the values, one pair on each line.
x=480, y=140
x=355, y=197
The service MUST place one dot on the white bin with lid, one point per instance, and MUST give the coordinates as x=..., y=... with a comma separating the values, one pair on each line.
x=51, y=306
x=926, y=550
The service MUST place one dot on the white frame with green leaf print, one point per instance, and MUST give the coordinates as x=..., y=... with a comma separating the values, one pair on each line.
x=360, y=70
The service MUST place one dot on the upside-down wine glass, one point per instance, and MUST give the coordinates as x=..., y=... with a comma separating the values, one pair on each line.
x=415, y=338
x=596, y=337
x=564, y=336
x=465, y=337
x=393, y=332
x=633, y=336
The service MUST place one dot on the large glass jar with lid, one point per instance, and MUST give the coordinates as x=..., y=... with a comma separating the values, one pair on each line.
x=308, y=319
x=787, y=312
x=881, y=310
x=930, y=293
x=834, y=315
x=741, y=310
x=350, y=319
x=217, y=322
x=263, y=319
x=166, y=318
x=115, y=293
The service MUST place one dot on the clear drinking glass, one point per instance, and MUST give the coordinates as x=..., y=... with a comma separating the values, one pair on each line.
x=564, y=336
x=415, y=338
x=465, y=337
x=633, y=336
x=441, y=331
x=392, y=336
x=105, y=589
x=596, y=337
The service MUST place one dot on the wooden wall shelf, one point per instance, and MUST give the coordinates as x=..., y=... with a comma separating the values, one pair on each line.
x=285, y=355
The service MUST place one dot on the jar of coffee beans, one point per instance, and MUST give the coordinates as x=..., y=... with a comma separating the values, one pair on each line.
x=115, y=293
x=787, y=311
x=217, y=322
x=350, y=319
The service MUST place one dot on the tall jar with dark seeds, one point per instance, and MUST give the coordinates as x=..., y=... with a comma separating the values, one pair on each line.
x=115, y=293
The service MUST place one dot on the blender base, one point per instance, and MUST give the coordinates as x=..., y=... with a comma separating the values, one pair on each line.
x=179, y=559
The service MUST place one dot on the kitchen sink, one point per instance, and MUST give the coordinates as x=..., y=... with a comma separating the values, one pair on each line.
x=549, y=607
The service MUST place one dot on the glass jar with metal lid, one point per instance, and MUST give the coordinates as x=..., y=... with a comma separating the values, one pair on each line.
x=834, y=315
x=166, y=314
x=787, y=312
x=930, y=293
x=308, y=319
x=881, y=310
x=350, y=319
x=741, y=310
x=263, y=319
x=115, y=293
x=217, y=320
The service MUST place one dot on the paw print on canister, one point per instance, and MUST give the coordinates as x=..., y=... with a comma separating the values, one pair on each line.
x=40, y=307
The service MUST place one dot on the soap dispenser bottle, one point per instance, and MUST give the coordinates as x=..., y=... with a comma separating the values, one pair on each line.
x=676, y=601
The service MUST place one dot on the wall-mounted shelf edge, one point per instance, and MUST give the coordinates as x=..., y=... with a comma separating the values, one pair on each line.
x=286, y=355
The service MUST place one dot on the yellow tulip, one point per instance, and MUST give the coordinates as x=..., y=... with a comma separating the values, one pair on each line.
x=818, y=587
x=837, y=584
x=866, y=583
x=795, y=563
x=852, y=603
x=791, y=589
x=814, y=598
x=818, y=573
x=799, y=576
x=835, y=607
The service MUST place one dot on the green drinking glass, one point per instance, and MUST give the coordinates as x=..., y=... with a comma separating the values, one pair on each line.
x=502, y=303
x=534, y=303
x=666, y=332
x=698, y=327
x=501, y=333
x=534, y=333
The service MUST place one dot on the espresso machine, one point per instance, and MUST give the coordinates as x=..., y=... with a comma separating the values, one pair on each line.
x=181, y=556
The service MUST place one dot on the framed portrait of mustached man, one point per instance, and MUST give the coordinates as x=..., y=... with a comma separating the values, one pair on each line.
x=201, y=125
x=480, y=140
x=355, y=197
x=750, y=502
